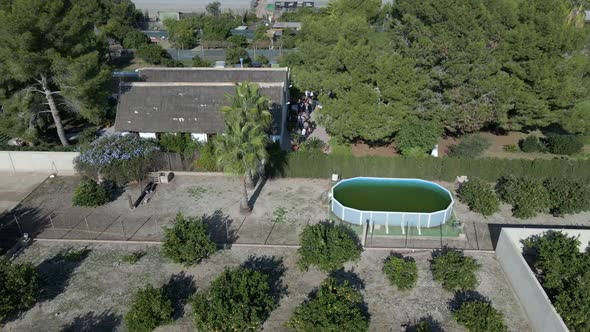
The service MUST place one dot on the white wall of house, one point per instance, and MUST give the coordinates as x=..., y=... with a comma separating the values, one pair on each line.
x=199, y=137
x=147, y=135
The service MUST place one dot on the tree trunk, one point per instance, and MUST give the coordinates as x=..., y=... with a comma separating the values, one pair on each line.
x=244, y=205
x=54, y=112
x=250, y=183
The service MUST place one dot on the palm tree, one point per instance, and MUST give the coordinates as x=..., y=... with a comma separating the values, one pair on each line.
x=241, y=150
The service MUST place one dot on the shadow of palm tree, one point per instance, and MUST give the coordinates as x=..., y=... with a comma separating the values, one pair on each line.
x=256, y=193
x=349, y=276
x=218, y=225
x=91, y=322
x=21, y=219
x=179, y=288
x=274, y=268
x=277, y=161
x=55, y=273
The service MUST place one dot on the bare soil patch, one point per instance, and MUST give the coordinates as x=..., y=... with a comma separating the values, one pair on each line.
x=97, y=292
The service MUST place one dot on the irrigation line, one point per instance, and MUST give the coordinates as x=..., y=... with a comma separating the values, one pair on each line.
x=140, y=227
x=109, y=226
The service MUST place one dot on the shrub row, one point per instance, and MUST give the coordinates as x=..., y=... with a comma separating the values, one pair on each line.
x=564, y=272
x=443, y=169
x=530, y=196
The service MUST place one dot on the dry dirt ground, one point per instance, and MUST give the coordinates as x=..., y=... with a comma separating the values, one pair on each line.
x=48, y=211
x=16, y=186
x=95, y=294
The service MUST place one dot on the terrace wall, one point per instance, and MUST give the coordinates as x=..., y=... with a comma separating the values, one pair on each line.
x=37, y=161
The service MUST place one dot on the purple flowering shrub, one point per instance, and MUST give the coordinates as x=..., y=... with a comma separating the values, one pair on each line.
x=117, y=158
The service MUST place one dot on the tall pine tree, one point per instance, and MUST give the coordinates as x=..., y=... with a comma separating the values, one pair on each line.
x=50, y=48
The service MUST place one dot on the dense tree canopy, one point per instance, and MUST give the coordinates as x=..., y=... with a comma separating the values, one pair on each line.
x=468, y=65
x=52, y=61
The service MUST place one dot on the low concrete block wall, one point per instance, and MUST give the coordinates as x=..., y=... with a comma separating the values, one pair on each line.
x=36, y=161
x=537, y=306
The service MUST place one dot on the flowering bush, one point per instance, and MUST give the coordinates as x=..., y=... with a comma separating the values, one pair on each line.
x=117, y=158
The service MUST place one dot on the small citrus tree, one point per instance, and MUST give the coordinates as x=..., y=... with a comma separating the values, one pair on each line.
x=479, y=315
x=527, y=196
x=336, y=306
x=18, y=287
x=187, y=242
x=479, y=196
x=401, y=271
x=90, y=193
x=454, y=270
x=150, y=308
x=239, y=300
x=327, y=246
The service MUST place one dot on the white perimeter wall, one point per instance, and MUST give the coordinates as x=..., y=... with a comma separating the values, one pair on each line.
x=34, y=161
x=531, y=295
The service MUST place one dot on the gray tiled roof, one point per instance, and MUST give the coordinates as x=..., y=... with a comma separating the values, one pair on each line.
x=189, y=100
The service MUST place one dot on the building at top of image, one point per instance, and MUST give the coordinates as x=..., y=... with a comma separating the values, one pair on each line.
x=188, y=100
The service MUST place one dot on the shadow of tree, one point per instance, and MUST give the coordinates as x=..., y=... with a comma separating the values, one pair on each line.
x=30, y=220
x=349, y=276
x=218, y=225
x=426, y=323
x=91, y=322
x=465, y=296
x=274, y=268
x=256, y=193
x=179, y=288
x=55, y=273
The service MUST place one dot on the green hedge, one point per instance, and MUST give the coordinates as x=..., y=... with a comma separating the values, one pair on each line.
x=444, y=169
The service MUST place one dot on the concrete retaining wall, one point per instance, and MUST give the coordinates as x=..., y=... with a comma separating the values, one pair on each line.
x=36, y=161
x=537, y=306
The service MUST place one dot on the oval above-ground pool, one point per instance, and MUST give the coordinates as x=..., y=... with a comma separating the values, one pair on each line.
x=392, y=202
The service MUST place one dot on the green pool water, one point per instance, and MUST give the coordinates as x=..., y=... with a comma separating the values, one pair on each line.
x=394, y=195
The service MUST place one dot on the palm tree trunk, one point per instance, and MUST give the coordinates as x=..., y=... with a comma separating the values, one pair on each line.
x=244, y=205
x=54, y=112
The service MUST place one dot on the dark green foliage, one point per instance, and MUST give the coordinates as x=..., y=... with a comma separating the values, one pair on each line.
x=152, y=53
x=444, y=169
x=207, y=159
x=564, y=272
x=454, y=270
x=238, y=40
x=312, y=145
x=479, y=196
x=198, y=62
x=233, y=55
x=335, y=306
x=89, y=193
x=418, y=134
x=480, y=316
x=530, y=144
x=135, y=39
x=401, y=271
x=327, y=246
x=187, y=242
x=471, y=146
x=182, y=33
x=181, y=143
x=213, y=8
x=238, y=300
x=567, y=196
x=527, y=195
x=467, y=65
x=262, y=60
x=564, y=144
x=18, y=287
x=150, y=308
x=87, y=136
